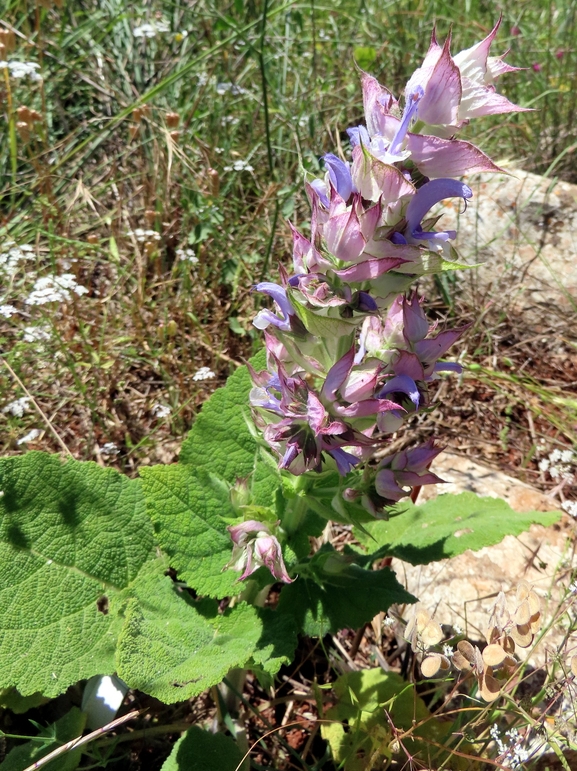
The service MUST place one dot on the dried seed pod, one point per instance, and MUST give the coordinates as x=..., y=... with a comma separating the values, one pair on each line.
x=214, y=181
x=508, y=644
x=432, y=633
x=150, y=216
x=132, y=130
x=92, y=238
x=2, y=52
x=23, y=130
x=522, y=614
x=174, y=135
x=493, y=655
x=464, y=656
x=535, y=622
x=534, y=602
x=479, y=663
x=431, y=665
x=35, y=116
x=522, y=635
x=488, y=686
x=522, y=591
x=8, y=40
x=149, y=247
x=23, y=114
x=493, y=635
x=172, y=119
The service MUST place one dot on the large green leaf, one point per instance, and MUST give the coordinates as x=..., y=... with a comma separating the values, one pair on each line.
x=220, y=439
x=173, y=648
x=71, y=536
x=446, y=526
x=188, y=508
x=200, y=750
x=350, y=598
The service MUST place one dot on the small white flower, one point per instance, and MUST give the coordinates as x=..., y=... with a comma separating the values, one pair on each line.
x=219, y=150
x=150, y=30
x=36, y=334
x=30, y=436
x=54, y=289
x=229, y=119
x=22, y=69
x=7, y=311
x=544, y=464
x=161, y=410
x=109, y=449
x=447, y=651
x=204, y=373
x=144, y=235
x=570, y=507
x=18, y=407
x=239, y=166
x=187, y=255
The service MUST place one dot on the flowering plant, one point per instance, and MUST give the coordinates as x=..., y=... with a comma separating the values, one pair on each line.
x=349, y=351
x=135, y=577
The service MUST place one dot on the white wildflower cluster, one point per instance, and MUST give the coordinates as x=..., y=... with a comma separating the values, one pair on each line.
x=109, y=448
x=187, y=255
x=18, y=407
x=151, y=29
x=30, y=436
x=22, y=69
x=38, y=334
x=7, y=311
x=239, y=166
x=558, y=464
x=510, y=746
x=50, y=289
x=161, y=410
x=570, y=507
x=232, y=88
x=11, y=255
x=144, y=235
x=230, y=120
x=204, y=373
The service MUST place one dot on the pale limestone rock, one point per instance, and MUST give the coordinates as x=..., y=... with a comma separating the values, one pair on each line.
x=461, y=591
x=523, y=229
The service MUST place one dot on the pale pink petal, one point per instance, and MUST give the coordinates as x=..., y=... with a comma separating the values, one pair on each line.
x=377, y=101
x=436, y=157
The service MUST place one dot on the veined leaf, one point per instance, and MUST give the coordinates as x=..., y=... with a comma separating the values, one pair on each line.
x=188, y=509
x=447, y=526
x=71, y=536
x=173, y=647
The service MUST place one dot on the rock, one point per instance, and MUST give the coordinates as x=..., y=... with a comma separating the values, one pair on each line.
x=461, y=591
x=522, y=229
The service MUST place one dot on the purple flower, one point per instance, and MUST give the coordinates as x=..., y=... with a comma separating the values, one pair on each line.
x=266, y=317
x=408, y=468
x=425, y=198
x=255, y=546
x=340, y=176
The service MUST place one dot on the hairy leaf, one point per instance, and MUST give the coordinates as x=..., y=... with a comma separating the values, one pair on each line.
x=446, y=526
x=173, y=648
x=71, y=536
x=188, y=508
x=200, y=750
x=220, y=439
x=348, y=599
